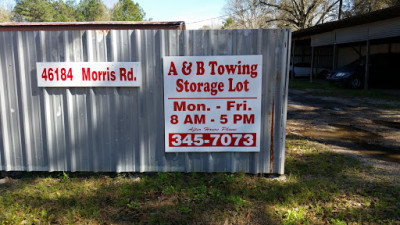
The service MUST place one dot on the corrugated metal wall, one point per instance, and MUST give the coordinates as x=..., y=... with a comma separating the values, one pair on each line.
x=370, y=31
x=327, y=38
x=122, y=129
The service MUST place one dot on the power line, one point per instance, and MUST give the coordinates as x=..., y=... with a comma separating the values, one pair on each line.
x=199, y=21
x=241, y=11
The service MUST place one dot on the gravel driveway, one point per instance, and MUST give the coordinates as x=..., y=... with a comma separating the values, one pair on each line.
x=351, y=126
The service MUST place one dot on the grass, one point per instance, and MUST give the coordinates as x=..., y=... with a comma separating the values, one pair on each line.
x=321, y=187
x=325, y=89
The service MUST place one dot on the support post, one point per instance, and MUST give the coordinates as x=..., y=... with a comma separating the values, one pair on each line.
x=366, y=76
x=334, y=56
x=312, y=64
x=293, y=53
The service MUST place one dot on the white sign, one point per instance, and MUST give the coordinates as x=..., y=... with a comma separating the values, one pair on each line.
x=88, y=74
x=212, y=103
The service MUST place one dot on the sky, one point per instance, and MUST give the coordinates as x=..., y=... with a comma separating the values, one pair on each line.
x=190, y=11
x=195, y=13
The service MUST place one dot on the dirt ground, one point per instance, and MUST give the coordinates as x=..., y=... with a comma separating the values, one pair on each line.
x=353, y=126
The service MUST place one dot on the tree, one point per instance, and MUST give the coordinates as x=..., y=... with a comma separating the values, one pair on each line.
x=357, y=7
x=59, y=11
x=300, y=14
x=66, y=12
x=5, y=15
x=127, y=10
x=228, y=23
x=92, y=10
x=33, y=11
x=246, y=14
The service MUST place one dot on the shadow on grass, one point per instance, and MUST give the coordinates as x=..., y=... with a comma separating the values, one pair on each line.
x=321, y=187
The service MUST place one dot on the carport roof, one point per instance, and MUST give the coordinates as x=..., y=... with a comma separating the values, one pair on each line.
x=378, y=15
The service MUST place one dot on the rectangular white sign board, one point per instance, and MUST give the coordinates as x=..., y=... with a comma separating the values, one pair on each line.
x=212, y=103
x=88, y=74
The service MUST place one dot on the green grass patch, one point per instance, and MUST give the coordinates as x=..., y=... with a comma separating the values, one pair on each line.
x=321, y=187
x=306, y=84
x=326, y=89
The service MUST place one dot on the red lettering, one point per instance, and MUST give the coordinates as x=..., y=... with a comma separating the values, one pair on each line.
x=86, y=74
x=113, y=75
x=130, y=74
x=196, y=119
x=200, y=68
x=180, y=107
x=231, y=69
x=230, y=104
x=186, y=68
x=172, y=69
x=239, y=86
x=221, y=70
x=122, y=74
x=179, y=85
x=212, y=87
x=212, y=64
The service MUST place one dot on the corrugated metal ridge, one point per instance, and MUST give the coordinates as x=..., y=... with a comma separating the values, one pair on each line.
x=371, y=17
x=98, y=25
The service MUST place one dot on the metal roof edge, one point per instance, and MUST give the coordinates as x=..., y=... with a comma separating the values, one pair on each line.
x=98, y=25
x=383, y=14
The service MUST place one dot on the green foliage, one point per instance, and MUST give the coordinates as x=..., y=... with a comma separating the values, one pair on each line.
x=65, y=177
x=59, y=11
x=357, y=7
x=169, y=190
x=338, y=222
x=294, y=217
x=5, y=15
x=92, y=10
x=66, y=11
x=69, y=11
x=228, y=23
x=34, y=11
x=127, y=10
x=237, y=201
x=133, y=205
x=46, y=11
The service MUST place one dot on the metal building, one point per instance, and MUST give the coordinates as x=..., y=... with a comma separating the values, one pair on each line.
x=122, y=129
x=337, y=43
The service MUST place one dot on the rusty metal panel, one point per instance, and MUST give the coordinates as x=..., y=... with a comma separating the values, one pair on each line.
x=97, y=25
x=122, y=128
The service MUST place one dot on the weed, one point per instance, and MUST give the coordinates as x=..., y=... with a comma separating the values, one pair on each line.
x=199, y=193
x=237, y=201
x=184, y=209
x=133, y=205
x=230, y=178
x=294, y=216
x=169, y=190
x=163, y=177
x=65, y=177
x=338, y=222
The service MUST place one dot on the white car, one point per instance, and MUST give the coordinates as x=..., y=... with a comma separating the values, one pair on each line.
x=303, y=69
